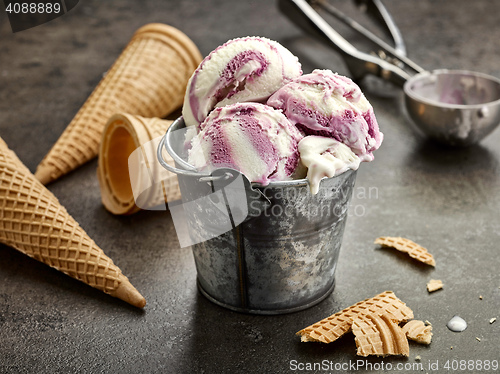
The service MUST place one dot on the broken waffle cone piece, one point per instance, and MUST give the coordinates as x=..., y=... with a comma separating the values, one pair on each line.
x=331, y=328
x=418, y=331
x=36, y=224
x=434, y=285
x=405, y=245
x=130, y=176
x=148, y=79
x=379, y=335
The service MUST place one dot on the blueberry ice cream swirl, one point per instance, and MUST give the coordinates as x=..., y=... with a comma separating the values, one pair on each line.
x=246, y=69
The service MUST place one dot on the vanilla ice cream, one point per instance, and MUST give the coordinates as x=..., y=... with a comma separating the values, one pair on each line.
x=325, y=157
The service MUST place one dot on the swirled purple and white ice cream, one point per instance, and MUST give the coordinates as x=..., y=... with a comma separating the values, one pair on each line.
x=248, y=107
x=241, y=70
x=253, y=138
x=327, y=104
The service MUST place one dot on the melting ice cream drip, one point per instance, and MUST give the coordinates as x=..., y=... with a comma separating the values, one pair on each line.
x=457, y=324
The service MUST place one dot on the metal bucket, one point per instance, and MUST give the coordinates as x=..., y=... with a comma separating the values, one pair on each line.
x=282, y=257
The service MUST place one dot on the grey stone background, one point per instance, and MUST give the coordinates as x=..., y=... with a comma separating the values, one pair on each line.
x=445, y=199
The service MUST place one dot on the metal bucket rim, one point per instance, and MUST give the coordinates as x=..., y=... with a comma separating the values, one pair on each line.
x=179, y=123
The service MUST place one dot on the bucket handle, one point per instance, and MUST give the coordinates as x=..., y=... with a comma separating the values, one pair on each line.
x=190, y=173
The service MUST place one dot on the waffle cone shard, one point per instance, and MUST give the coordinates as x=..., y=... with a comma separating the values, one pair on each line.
x=418, y=331
x=130, y=176
x=148, y=79
x=331, y=328
x=434, y=285
x=34, y=222
x=405, y=245
x=379, y=335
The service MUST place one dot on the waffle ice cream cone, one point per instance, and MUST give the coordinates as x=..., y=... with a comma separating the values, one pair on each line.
x=130, y=176
x=148, y=79
x=331, y=328
x=34, y=222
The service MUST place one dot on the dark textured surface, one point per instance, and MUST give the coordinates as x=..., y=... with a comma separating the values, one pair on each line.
x=447, y=200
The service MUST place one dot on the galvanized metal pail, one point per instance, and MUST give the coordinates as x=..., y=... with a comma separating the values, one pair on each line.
x=282, y=257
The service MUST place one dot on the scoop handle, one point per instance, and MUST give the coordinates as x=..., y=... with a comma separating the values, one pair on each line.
x=359, y=63
x=380, y=14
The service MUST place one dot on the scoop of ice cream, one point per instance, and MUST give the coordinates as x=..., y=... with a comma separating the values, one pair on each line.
x=325, y=157
x=241, y=70
x=327, y=104
x=253, y=138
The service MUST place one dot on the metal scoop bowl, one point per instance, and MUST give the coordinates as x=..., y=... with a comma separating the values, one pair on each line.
x=453, y=107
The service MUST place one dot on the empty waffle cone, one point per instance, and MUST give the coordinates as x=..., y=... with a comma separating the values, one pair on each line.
x=130, y=176
x=379, y=335
x=331, y=328
x=35, y=223
x=148, y=79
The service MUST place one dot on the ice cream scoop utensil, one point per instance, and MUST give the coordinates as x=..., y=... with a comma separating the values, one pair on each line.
x=379, y=13
x=376, y=9
x=359, y=63
x=454, y=107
